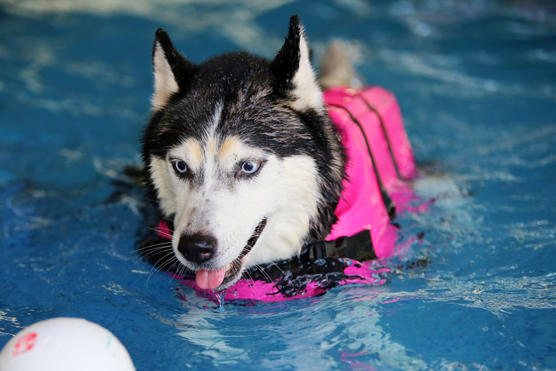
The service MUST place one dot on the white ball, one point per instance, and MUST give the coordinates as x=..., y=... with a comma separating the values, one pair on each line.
x=65, y=344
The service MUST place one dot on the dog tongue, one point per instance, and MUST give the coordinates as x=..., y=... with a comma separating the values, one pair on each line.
x=210, y=279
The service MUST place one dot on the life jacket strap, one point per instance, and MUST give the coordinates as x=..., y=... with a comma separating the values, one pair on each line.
x=358, y=247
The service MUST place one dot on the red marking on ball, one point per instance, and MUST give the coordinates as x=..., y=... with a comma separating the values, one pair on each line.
x=25, y=343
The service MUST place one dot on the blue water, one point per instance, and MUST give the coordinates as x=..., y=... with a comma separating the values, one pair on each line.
x=476, y=81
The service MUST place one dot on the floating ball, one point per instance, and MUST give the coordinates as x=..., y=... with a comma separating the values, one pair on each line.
x=64, y=344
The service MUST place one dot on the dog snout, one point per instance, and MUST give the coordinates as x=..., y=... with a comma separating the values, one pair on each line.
x=197, y=248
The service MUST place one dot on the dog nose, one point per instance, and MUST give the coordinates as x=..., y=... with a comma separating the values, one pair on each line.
x=197, y=248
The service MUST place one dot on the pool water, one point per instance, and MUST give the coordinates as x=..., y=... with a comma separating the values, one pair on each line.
x=476, y=81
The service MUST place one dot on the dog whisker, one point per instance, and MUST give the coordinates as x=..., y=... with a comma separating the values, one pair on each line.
x=252, y=280
x=156, y=267
x=157, y=245
x=160, y=232
x=154, y=251
x=277, y=266
x=260, y=269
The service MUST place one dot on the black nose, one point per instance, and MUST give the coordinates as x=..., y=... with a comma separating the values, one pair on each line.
x=197, y=248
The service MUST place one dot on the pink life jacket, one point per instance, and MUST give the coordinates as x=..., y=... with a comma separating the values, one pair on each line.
x=380, y=158
x=379, y=161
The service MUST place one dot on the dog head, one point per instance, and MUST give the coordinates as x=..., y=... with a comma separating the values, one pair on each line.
x=242, y=156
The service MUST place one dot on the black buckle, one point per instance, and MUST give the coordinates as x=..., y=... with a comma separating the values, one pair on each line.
x=314, y=250
x=358, y=247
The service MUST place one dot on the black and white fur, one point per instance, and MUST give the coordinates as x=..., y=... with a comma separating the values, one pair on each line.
x=212, y=124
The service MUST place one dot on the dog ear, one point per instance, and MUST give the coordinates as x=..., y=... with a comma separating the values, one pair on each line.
x=293, y=71
x=172, y=71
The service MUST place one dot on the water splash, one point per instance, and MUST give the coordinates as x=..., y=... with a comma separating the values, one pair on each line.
x=220, y=295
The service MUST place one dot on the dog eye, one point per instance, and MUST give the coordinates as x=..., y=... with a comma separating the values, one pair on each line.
x=250, y=167
x=180, y=166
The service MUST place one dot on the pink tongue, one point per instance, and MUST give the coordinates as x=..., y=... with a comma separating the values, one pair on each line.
x=210, y=279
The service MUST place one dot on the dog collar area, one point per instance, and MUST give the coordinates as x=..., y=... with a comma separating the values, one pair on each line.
x=320, y=266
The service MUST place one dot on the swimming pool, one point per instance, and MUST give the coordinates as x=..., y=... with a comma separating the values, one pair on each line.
x=476, y=81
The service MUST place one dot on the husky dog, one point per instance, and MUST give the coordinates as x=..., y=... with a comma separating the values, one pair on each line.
x=241, y=157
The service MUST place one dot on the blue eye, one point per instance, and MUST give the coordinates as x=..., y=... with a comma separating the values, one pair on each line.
x=180, y=166
x=250, y=167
